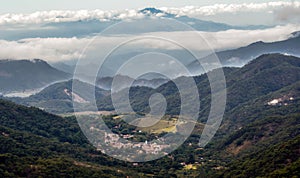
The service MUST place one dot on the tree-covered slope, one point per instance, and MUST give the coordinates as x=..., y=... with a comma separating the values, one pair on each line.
x=35, y=143
x=259, y=135
x=59, y=97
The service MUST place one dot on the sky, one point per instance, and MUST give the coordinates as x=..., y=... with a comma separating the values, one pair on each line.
x=28, y=6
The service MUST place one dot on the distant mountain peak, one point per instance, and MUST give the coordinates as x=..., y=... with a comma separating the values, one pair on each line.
x=155, y=11
x=151, y=10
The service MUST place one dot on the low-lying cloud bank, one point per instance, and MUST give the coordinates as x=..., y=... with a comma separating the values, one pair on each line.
x=62, y=49
x=49, y=49
x=279, y=8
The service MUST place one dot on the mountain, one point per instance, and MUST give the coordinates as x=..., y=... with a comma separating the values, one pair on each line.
x=197, y=24
x=59, y=97
x=37, y=144
x=234, y=57
x=153, y=11
x=241, y=56
x=264, y=136
x=264, y=74
x=280, y=70
x=23, y=75
x=67, y=68
x=106, y=82
x=259, y=135
x=268, y=147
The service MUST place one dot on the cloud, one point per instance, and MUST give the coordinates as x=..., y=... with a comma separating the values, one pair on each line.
x=230, y=8
x=194, y=11
x=62, y=49
x=67, y=16
x=225, y=39
x=49, y=49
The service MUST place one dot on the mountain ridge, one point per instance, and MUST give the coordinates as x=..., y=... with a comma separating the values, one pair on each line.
x=256, y=138
x=243, y=55
x=282, y=71
x=20, y=75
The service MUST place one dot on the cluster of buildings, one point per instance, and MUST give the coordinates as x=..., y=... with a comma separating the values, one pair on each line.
x=280, y=101
x=145, y=147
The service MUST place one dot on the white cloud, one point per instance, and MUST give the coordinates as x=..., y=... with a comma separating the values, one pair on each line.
x=49, y=49
x=230, y=8
x=66, y=16
x=61, y=49
x=224, y=39
x=237, y=38
x=194, y=11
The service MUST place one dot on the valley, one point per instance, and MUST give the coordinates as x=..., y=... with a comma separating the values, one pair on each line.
x=253, y=129
x=144, y=89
